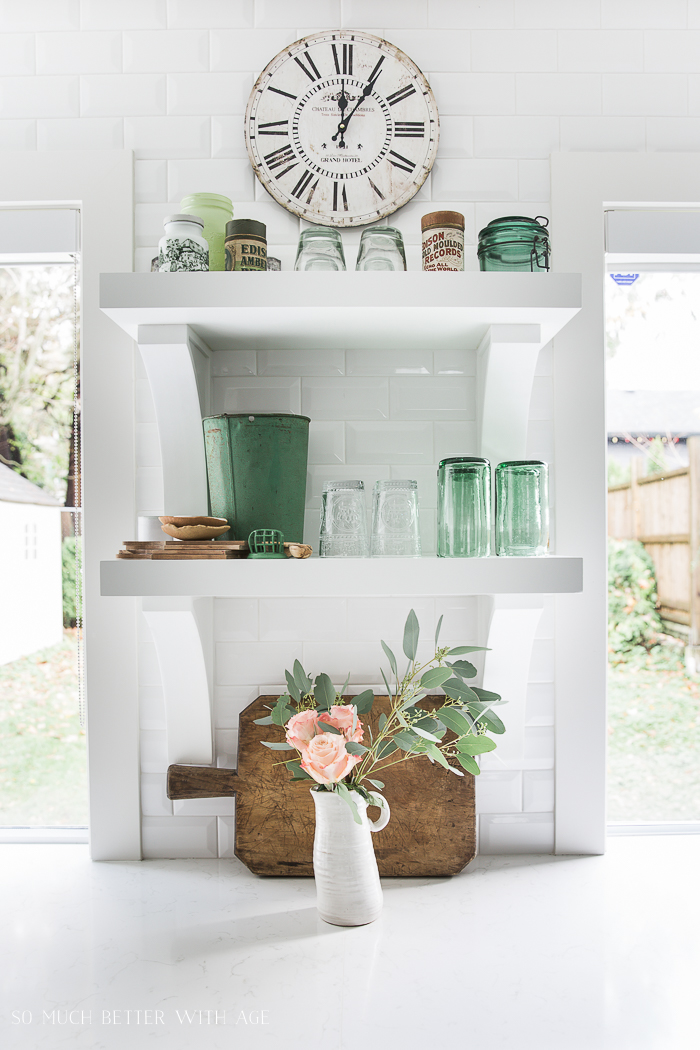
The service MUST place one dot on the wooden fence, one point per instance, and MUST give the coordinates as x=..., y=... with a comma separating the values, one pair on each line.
x=662, y=511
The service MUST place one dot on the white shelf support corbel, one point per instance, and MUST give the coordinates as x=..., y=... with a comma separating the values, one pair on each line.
x=177, y=365
x=512, y=625
x=506, y=363
x=182, y=635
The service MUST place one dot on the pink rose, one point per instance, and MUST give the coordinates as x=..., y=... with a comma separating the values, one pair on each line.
x=326, y=760
x=341, y=718
x=301, y=729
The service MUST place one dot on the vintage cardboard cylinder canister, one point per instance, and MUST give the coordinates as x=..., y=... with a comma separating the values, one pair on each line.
x=246, y=245
x=443, y=240
x=256, y=467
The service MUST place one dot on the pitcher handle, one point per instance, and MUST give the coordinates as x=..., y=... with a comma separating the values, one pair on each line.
x=383, y=818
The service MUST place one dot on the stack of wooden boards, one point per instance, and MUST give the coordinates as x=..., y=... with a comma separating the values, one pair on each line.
x=181, y=550
x=198, y=550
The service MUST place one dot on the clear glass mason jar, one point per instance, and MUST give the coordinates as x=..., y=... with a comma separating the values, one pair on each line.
x=464, y=507
x=515, y=242
x=320, y=248
x=395, y=526
x=381, y=248
x=343, y=520
x=522, y=508
x=215, y=210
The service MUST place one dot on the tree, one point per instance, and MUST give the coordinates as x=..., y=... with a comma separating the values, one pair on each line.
x=37, y=381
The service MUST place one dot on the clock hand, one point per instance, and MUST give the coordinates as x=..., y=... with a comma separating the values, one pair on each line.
x=342, y=103
x=342, y=127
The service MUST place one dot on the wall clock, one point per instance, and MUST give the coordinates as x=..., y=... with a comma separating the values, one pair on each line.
x=342, y=128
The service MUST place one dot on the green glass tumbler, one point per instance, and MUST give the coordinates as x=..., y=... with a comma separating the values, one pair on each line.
x=216, y=210
x=522, y=508
x=464, y=507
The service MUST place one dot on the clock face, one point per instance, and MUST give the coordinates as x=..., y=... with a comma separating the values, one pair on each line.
x=342, y=128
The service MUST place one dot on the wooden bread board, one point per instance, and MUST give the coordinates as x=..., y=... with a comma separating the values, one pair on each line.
x=432, y=831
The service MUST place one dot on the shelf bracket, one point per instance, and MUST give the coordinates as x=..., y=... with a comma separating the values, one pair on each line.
x=506, y=363
x=177, y=366
x=512, y=624
x=182, y=633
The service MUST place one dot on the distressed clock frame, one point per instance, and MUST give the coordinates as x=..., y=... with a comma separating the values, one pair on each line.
x=295, y=175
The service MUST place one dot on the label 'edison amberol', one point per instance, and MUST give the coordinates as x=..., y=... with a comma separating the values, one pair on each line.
x=443, y=240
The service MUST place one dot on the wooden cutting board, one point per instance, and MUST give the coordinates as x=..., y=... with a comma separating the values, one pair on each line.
x=432, y=831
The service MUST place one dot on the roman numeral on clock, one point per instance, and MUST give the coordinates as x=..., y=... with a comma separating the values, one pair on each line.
x=400, y=95
x=401, y=162
x=376, y=189
x=279, y=157
x=274, y=127
x=315, y=75
x=343, y=197
x=347, y=59
x=278, y=91
x=303, y=184
x=409, y=129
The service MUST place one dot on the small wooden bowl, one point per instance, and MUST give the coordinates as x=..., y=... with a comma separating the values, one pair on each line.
x=197, y=520
x=195, y=532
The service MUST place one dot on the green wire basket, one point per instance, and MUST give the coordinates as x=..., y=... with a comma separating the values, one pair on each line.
x=266, y=543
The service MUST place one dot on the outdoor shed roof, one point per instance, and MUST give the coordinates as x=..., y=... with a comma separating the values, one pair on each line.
x=16, y=489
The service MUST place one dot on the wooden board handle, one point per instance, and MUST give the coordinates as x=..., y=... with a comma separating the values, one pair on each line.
x=201, y=782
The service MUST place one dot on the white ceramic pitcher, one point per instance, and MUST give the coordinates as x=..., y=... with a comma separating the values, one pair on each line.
x=348, y=891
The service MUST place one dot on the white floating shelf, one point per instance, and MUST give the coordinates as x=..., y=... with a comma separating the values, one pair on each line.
x=361, y=577
x=352, y=310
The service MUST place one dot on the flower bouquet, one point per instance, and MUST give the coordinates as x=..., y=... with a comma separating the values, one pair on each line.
x=340, y=753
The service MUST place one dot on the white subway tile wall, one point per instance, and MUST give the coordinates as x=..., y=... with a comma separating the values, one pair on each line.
x=514, y=80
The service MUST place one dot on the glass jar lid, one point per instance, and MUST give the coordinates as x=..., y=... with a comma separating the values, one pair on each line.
x=246, y=228
x=514, y=228
x=184, y=218
x=465, y=461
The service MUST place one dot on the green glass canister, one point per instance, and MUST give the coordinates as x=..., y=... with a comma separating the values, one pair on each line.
x=464, y=507
x=522, y=508
x=515, y=242
x=256, y=468
x=216, y=210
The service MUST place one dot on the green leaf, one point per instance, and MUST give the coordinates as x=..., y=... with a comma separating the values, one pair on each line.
x=452, y=769
x=463, y=668
x=475, y=745
x=468, y=649
x=264, y=721
x=274, y=746
x=376, y=783
x=405, y=741
x=387, y=748
x=391, y=658
x=425, y=735
x=363, y=702
x=388, y=687
x=411, y=633
x=324, y=692
x=457, y=690
x=347, y=797
x=300, y=677
x=437, y=631
x=328, y=728
x=435, y=677
x=454, y=720
x=355, y=749
x=382, y=721
x=297, y=772
x=468, y=763
x=484, y=694
x=493, y=723
x=294, y=690
x=281, y=712
x=437, y=755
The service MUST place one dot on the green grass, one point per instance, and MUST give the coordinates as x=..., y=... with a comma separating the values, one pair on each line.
x=43, y=764
x=653, y=743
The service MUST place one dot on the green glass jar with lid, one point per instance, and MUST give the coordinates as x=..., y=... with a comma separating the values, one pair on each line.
x=515, y=243
x=216, y=210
